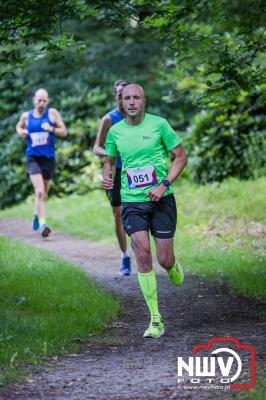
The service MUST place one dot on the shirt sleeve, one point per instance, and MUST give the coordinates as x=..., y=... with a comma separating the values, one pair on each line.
x=110, y=145
x=169, y=137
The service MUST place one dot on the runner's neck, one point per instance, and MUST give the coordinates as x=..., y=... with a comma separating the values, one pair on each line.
x=136, y=120
x=37, y=114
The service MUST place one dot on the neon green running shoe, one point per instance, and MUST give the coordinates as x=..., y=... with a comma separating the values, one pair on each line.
x=176, y=275
x=156, y=328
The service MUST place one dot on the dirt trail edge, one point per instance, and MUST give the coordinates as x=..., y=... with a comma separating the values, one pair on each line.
x=121, y=364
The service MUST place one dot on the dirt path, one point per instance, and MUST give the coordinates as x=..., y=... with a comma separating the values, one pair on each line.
x=121, y=364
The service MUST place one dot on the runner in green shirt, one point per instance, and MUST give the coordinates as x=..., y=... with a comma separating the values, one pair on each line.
x=143, y=141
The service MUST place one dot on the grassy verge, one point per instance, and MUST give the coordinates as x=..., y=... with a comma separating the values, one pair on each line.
x=256, y=393
x=222, y=233
x=221, y=230
x=45, y=305
x=242, y=270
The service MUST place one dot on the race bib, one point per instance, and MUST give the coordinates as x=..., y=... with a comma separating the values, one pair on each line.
x=140, y=177
x=39, y=138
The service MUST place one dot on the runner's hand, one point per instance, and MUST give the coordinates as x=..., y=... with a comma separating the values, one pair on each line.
x=47, y=127
x=155, y=194
x=23, y=134
x=108, y=183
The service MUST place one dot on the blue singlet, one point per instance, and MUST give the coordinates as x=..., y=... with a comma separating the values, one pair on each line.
x=40, y=143
x=116, y=117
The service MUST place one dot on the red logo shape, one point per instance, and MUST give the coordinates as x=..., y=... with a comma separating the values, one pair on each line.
x=238, y=346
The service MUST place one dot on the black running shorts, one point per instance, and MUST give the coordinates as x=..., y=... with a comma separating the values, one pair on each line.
x=41, y=165
x=114, y=194
x=157, y=217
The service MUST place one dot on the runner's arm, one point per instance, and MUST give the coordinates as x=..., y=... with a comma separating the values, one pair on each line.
x=105, y=125
x=179, y=163
x=108, y=172
x=21, y=125
x=59, y=129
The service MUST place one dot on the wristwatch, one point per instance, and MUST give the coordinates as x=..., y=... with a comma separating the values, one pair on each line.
x=166, y=183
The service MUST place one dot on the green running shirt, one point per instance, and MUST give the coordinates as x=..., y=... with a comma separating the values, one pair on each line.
x=144, y=151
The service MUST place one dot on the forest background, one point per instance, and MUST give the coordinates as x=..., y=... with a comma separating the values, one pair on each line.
x=201, y=63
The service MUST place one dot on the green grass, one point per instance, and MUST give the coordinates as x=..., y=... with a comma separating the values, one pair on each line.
x=220, y=233
x=45, y=303
x=256, y=393
x=86, y=216
x=232, y=198
x=243, y=271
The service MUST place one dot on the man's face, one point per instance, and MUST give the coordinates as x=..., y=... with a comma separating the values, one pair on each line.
x=40, y=101
x=133, y=100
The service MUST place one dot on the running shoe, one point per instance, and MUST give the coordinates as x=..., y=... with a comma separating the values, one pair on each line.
x=176, y=275
x=35, y=223
x=125, y=266
x=156, y=328
x=45, y=231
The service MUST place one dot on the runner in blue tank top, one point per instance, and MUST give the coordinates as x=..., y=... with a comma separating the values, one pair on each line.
x=111, y=118
x=39, y=127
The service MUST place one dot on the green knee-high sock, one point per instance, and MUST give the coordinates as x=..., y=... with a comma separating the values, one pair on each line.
x=148, y=286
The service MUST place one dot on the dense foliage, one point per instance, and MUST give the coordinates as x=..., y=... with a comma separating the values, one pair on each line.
x=202, y=65
x=228, y=142
x=80, y=86
x=218, y=63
